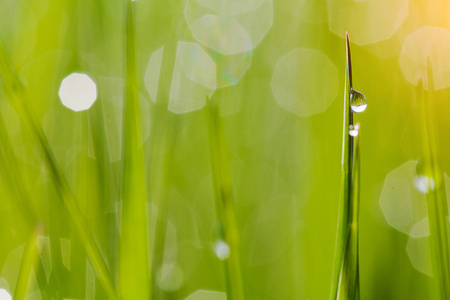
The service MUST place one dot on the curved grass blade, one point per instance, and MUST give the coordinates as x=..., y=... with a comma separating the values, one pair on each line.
x=224, y=200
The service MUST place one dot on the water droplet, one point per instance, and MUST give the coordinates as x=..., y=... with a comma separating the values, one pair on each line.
x=424, y=184
x=222, y=250
x=4, y=295
x=358, y=101
x=354, y=130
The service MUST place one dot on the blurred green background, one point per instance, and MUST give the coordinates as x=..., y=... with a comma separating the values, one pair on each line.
x=276, y=70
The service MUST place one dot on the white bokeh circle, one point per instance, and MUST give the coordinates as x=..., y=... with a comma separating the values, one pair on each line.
x=78, y=92
x=305, y=81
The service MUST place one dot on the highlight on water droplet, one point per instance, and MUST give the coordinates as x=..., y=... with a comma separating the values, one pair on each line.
x=354, y=130
x=424, y=184
x=358, y=101
x=4, y=295
x=78, y=92
x=222, y=250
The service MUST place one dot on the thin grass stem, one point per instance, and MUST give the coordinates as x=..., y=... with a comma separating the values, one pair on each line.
x=224, y=200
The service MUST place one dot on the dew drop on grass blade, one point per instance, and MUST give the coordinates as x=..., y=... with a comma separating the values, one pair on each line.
x=345, y=280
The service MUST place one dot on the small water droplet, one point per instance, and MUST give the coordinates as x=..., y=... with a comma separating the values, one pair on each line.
x=358, y=101
x=424, y=184
x=222, y=250
x=353, y=130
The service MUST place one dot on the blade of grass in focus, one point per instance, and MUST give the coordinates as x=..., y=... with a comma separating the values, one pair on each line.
x=15, y=93
x=223, y=195
x=433, y=179
x=134, y=277
x=345, y=280
x=349, y=275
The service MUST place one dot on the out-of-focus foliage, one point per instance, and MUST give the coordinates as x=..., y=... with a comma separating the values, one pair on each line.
x=276, y=70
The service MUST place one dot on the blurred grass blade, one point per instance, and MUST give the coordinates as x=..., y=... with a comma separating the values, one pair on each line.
x=134, y=277
x=345, y=280
x=29, y=259
x=15, y=93
x=435, y=194
x=224, y=200
x=17, y=185
x=165, y=136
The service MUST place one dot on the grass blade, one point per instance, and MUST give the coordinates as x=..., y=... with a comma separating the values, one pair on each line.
x=435, y=195
x=224, y=200
x=349, y=275
x=345, y=280
x=134, y=277
x=29, y=259
x=15, y=93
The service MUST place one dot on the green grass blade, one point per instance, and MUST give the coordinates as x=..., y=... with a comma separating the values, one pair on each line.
x=17, y=186
x=29, y=259
x=345, y=175
x=349, y=275
x=134, y=277
x=224, y=200
x=345, y=276
x=15, y=93
x=436, y=196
